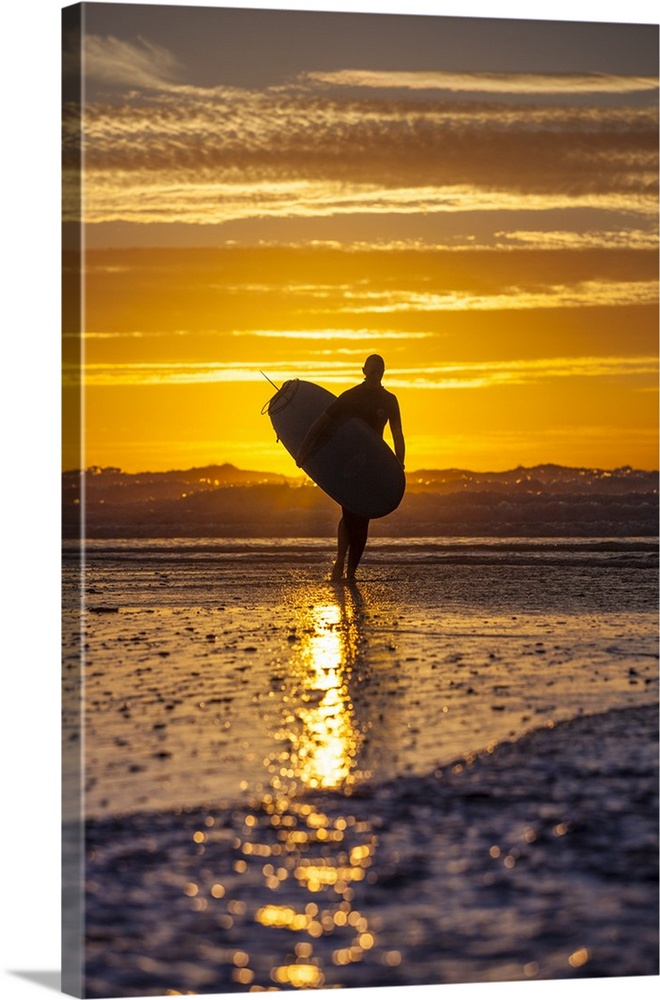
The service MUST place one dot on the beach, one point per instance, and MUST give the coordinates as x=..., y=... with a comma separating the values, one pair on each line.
x=445, y=774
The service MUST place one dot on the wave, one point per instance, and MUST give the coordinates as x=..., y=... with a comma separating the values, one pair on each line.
x=612, y=552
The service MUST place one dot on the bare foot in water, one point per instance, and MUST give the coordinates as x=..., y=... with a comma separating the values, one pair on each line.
x=337, y=574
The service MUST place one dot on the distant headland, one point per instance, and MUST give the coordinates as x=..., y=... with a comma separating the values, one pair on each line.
x=225, y=501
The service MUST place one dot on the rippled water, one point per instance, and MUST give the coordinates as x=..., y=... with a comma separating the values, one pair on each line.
x=383, y=551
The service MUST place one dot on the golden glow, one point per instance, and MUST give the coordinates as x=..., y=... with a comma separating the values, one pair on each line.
x=317, y=876
x=320, y=855
x=593, y=293
x=548, y=331
x=467, y=375
x=497, y=83
x=324, y=738
x=135, y=170
x=301, y=976
x=412, y=238
x=281, y=916
x=579, y=958
x=159, y=198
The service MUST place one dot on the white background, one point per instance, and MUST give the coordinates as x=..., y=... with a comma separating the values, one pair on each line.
x=29, y=548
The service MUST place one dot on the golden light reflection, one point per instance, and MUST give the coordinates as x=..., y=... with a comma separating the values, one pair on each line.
x=324, y=737
x=311, y=855
x=299, y=975
x=579, y=958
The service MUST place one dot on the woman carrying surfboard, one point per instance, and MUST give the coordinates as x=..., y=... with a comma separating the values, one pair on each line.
x=371, y=402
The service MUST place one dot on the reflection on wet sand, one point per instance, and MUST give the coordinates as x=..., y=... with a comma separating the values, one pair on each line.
x=320, y=732
x=315, y=861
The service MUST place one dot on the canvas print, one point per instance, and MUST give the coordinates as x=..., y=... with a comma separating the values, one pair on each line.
x=359, y=494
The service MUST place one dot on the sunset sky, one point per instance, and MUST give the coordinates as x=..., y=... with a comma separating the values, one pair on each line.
x=288, y=192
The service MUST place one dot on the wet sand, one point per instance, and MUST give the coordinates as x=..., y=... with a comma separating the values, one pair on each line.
x=446, y=774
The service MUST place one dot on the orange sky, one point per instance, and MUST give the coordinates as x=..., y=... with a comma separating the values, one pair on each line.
x=491, y=229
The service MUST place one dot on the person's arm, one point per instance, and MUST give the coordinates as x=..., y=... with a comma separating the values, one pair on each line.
x=397, y=434
x=399, y=443
x=310, y=439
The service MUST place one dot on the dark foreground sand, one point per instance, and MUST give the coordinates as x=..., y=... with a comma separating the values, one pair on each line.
x=538, y=860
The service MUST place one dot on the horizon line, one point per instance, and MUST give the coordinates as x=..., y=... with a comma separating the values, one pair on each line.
x=98, y=469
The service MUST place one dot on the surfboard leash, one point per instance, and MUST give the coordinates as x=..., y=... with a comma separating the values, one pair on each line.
x=269, y=380
x=283, y=396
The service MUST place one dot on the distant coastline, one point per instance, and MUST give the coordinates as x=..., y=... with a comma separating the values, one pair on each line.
x=224, y=501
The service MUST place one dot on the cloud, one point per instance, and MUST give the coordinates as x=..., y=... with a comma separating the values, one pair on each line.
x=333, y=335
x=173, y=153
x=201, y=197
x=581, y=294
x=479, y=375
x=195, y=373
x=180, y=157
x=469, y=375
x=304, y=335
x=628, y=239
x=250, y=131
x=110, y=60
x=487, y=83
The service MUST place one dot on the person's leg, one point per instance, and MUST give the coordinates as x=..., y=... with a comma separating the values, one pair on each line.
x=342, y=547
x=358, y=530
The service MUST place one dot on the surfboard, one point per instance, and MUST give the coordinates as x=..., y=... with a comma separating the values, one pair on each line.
x=351, y=462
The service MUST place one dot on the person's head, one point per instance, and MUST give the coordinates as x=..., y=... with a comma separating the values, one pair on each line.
x=374, y=368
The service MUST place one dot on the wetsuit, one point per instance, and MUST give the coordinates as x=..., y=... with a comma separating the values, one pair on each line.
x=375, y=405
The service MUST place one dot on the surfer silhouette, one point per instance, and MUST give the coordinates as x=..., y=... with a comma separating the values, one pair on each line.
x=371, y=402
